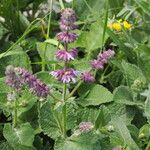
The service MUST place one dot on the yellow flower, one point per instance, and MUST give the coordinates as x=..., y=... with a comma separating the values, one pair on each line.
x=127, y=25
x=116, y=26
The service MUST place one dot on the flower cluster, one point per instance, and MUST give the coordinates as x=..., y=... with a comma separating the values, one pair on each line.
x=16, y=77
x=102, y=59
x=86, y=126
x=67, y=23
x=119, y=25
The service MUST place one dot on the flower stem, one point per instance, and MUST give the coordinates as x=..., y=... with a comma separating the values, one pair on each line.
x=61, y=4
x=74, y=90
x=15, y=118
x=64, y=111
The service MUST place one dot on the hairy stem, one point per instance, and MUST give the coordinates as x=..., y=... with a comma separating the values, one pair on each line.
x=64, y=111
x=74, y=90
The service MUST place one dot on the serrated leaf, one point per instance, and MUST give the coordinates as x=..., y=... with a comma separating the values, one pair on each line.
x=22, y=136
x=51, y=120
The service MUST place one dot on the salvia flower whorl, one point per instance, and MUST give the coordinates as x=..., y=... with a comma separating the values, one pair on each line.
x=86, y=126
x=35, y=85
x=87, y=77
x=66, y=55
x=65, y=75
x=66, y=37
x=68, y=19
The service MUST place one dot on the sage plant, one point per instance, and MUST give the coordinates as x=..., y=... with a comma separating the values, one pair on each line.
x=69, y=75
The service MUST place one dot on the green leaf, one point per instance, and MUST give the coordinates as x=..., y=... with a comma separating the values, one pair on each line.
x=85, y=141
x=145, y=131
x=144, y=5
x=121, y=110
x=86, y=38
x=123, y=131
x=16, y=57
x=46, y=51
x=123, y=95
x=96, y=33
x=97, y=94
x=132, y=73
x=5, y=146
x=22, y=136
x=51, y=120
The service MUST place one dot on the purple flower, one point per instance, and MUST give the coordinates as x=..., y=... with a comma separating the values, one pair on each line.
x=96, y=64
x=66, y=37
x=65, y=55
x=36, y=86
x=106, y=55
x=86, y=126
x=12, y=79
x=65, y=26
x=66, y=75
x=68, y=15
x=87, y=77
x=102, y=59
x=74, y=52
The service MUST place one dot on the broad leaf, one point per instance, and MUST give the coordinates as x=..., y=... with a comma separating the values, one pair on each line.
x=22, y=136
x=123, y=131
x=97, y=94
x=85, y=141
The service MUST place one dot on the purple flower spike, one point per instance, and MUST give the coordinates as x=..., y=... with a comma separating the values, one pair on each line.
x=36, y=86
x=64, y=55
x=86, y=126
x=96, y=64
x=106, y=55
x=66, y=37
x=87, y=77
x=66, y=76
x=102, y=59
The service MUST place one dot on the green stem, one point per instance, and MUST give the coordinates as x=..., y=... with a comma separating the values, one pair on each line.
x=49, y=19
x=74, y=90
x=15, y=115
x=47, y=35
x=64, y=110
x=148, y=146
x=61, y=4
x=43, y=58
x=105, y=23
